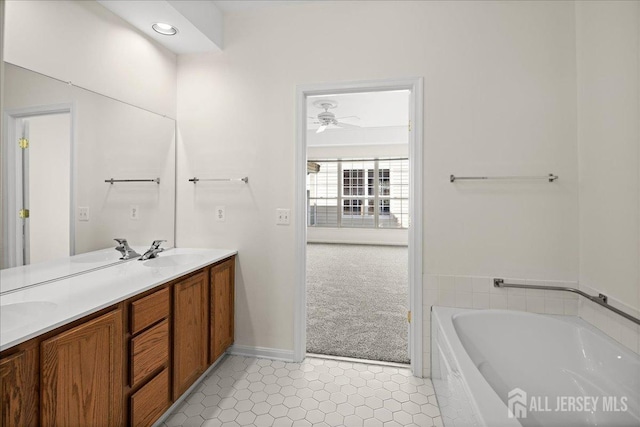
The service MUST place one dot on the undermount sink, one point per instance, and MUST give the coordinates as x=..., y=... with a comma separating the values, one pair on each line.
x=172, y=260
x=14, y=316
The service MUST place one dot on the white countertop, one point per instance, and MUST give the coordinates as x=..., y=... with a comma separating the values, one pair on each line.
x=62, y=301
x=19, y=277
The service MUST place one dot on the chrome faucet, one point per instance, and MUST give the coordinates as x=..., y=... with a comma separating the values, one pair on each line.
x=153, y=251
x=125, y=250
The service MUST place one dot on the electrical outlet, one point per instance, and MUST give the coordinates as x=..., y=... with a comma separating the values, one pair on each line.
x=83, y=213
x=134, y=212
x=220, y=213
x=282, y=216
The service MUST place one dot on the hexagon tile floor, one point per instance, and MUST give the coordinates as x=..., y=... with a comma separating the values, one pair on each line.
x=244, y=391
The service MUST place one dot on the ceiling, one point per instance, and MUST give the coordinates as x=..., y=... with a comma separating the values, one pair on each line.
x=238, y=5
x=373, y=109
x=200, y=22
x=382, y=118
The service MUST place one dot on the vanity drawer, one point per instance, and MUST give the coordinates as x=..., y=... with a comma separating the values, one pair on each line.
x=149, y=351
x=148, y=310
x=151, y=401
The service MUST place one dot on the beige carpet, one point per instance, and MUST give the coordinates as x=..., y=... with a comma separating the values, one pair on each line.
x=357, y=301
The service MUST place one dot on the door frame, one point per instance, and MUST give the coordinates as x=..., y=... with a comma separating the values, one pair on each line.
x=12, y=178
x=415, y=86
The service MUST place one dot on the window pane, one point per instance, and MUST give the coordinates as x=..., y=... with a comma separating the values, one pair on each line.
x=393, y=207
x=357, y=185
x=383, y=182
x=324, y=183
x=322, y=193
x=393, y=213
x=323, y=213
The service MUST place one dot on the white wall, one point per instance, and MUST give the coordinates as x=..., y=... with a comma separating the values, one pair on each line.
x=373, y=135
x=356, y=151
x=608, y=50
x=82, y=42
x=499, y=99
x=608, y=54
x=360, y=236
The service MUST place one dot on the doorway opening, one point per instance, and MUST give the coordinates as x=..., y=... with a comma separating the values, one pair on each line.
x=357, y=225
x=38, y=219
x=359, y=254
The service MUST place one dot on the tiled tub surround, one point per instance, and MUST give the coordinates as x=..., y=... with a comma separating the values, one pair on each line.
x=479, y=292
x=479, y=356
x=617, y=327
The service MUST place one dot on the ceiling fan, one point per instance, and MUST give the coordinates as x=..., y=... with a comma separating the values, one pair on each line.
x=326, y=117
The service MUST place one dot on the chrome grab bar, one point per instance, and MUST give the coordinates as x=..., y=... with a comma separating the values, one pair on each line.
x=601, y=299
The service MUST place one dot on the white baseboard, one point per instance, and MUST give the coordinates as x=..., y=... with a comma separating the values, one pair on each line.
x=261, y=352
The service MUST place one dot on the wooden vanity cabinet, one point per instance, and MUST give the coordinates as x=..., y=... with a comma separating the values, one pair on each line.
x=82, y=374
x=221, y=289
x=126, y=364
x=190, y=331
x=19, y=388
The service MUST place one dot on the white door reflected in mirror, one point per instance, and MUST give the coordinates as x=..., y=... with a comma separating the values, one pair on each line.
x=48, y=187
x=41, y=199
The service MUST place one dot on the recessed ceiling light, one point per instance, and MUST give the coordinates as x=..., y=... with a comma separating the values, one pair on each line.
x=164, y=29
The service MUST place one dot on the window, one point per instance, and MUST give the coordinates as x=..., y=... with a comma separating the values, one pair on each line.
x=353, y=182
x=359, y=194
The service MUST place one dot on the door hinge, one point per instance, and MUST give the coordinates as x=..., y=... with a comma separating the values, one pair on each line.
x=409, y=125
x=23, y=143
x=23, y=213
x=409, y=316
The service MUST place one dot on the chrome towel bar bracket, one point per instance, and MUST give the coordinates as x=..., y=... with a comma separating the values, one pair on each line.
x=601, y=299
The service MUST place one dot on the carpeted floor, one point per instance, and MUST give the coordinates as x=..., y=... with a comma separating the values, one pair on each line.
x=357, y=301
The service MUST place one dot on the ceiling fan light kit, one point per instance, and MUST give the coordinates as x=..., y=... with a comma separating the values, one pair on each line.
x=326, y=117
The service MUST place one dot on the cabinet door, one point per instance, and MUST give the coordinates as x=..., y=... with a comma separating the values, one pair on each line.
x=190, y=331
x=222, y=301
x=82, y=374
x=19, y=388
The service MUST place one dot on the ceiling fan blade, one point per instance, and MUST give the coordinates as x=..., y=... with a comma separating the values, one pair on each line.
x=346, y=125
x=321, y=128
x=348, y=117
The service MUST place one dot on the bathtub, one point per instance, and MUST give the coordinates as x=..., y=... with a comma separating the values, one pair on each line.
x=572, y=374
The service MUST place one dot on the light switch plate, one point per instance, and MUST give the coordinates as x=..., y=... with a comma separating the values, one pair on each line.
x=134, y=212
x=283, y=216
x=83, y=213
x=221, y=213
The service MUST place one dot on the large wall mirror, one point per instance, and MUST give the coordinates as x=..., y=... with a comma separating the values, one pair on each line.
x=60, y=146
